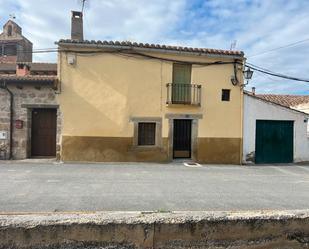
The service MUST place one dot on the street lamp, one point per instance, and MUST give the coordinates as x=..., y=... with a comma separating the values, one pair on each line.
x=248, y=75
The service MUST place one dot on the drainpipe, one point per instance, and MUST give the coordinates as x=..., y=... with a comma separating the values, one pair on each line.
x=4, y=87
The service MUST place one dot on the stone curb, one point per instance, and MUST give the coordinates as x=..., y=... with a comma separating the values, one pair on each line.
x=259, y=229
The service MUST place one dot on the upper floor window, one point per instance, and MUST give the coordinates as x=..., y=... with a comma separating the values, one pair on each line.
x=9, y=30
x=182, y=73
x=181, y=89
x=225, y=94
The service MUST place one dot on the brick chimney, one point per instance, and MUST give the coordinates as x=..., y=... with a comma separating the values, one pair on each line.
x=77, y=26
x=22, y=69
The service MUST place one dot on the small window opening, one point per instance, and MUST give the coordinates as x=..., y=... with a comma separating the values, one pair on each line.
x=225, y=95
x=146, y=133
x=9, y=30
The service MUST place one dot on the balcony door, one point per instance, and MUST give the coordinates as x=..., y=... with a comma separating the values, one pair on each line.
x=181, y=90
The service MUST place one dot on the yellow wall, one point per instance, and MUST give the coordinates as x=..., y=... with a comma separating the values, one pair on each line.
x=101, y=92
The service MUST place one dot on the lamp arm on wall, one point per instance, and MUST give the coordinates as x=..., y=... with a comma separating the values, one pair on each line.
x=234, y=78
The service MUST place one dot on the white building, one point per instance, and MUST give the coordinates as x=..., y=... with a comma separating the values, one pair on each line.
x=296, y=102
x=273, y=132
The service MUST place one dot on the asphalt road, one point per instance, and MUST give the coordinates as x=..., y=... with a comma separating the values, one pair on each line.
x=28, y=187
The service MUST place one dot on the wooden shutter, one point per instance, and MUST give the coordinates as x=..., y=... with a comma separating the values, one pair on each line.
x=181, y=92
x=182, y=73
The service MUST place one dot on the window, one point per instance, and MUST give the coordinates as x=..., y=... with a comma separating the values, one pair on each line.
x=10, y=50
x=181, y=91
x=146, y=133
x=9, y=30
x=182, y=73
x=225, y=95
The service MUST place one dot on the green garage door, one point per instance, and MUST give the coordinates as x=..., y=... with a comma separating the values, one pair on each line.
x=274, y=141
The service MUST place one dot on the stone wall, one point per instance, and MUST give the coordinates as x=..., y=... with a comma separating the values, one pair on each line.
x=4, y=123
x=26, y=98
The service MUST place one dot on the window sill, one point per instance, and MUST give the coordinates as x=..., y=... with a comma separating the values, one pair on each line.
x=146, y=148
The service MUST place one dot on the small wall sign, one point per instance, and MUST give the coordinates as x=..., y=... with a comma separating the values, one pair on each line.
x=19, y=124
x=3, y=135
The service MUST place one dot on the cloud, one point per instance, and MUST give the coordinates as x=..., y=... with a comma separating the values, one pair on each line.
x=257, y=25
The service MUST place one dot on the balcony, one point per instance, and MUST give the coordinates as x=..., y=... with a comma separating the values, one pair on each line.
x=183, y=94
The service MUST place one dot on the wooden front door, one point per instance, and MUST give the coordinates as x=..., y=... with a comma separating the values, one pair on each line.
x=43, y=132
x=182, y=138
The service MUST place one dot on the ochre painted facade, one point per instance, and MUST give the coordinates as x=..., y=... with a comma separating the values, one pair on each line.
x=102, y=92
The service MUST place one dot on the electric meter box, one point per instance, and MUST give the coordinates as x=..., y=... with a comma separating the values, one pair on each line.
x=3, y=135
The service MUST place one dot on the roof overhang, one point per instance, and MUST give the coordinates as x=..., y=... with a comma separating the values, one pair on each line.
x=134, y=47
x=29, y=80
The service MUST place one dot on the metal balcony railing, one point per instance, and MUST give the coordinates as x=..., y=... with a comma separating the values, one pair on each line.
x=184, y=94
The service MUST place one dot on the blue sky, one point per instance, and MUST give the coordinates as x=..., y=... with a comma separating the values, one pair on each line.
x=256, y=25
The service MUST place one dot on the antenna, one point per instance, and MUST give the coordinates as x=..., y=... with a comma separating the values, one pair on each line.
x=83, y=5
x=233, y=45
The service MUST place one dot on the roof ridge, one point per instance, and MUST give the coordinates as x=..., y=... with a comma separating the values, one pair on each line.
x=290, y=95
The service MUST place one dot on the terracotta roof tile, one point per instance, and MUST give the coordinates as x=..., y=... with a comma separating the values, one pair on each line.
x=285, y=100
x=28, y=78
x=154, y=46
x=271, y=99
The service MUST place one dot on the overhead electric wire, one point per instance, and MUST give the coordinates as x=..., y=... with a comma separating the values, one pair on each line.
x=278, y=48
x=125, y=52
x=251, y=66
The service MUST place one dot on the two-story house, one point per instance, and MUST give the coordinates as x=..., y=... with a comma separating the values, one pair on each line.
x=127, y=101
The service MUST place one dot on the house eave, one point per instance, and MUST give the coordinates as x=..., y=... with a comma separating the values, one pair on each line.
x=142, y=49
x=276, y=104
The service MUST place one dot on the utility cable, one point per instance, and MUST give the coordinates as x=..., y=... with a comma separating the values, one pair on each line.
x=281, y=47
x=130, y=53
x=251, y=66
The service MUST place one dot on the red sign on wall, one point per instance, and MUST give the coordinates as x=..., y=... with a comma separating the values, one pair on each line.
x=19, y=124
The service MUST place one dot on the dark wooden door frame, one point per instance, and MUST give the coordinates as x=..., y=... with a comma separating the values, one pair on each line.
x=43, y=132
x=194, y=131
x=182, y=138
